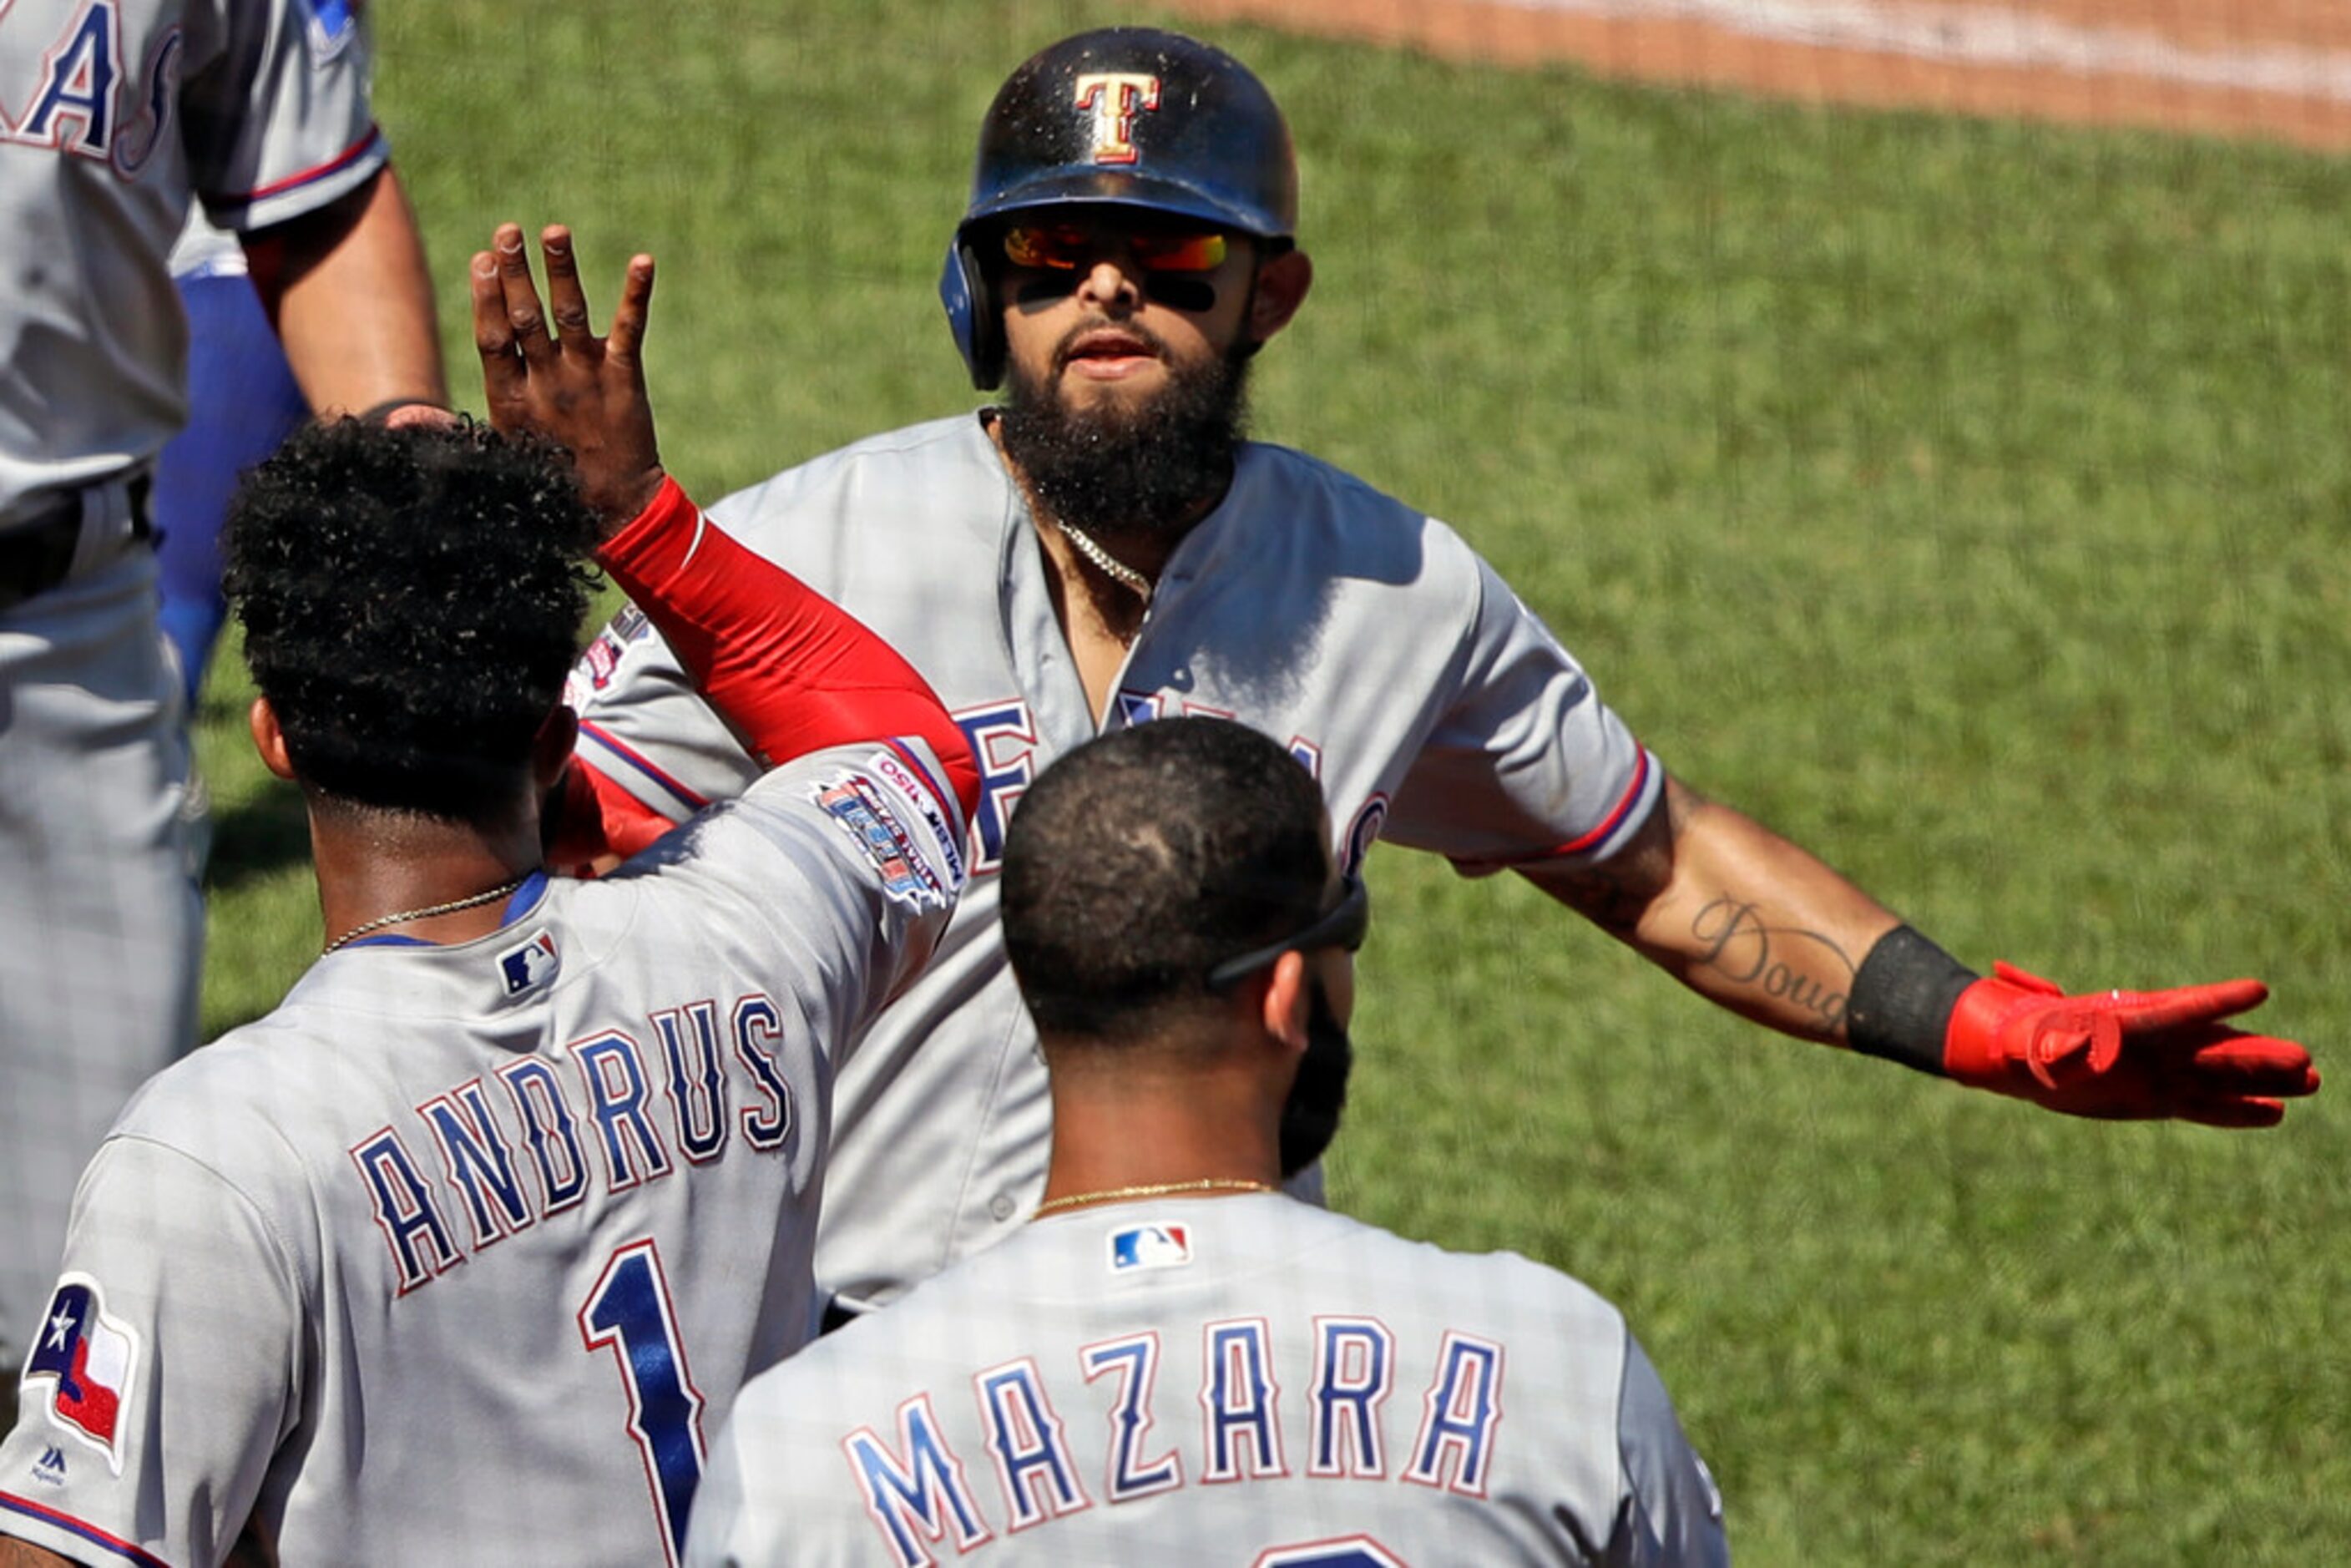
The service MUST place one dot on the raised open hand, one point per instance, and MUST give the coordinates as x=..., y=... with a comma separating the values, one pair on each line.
x=584, y=391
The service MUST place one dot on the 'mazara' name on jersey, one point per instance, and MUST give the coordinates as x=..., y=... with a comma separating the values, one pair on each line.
x=513, y=1156
x=917, y=1489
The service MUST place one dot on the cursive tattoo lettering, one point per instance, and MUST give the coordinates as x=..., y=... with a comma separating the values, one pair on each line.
x=1780, y=962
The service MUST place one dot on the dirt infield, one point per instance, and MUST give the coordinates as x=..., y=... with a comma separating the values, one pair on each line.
x=2273, y=68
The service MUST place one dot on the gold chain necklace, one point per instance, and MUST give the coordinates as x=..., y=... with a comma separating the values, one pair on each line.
x=454, y=905
x=1109, y=565
x=1155, y=1190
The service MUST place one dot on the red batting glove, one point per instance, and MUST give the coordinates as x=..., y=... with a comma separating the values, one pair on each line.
x=2124, y=1055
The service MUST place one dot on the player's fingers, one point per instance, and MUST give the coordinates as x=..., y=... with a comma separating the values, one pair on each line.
x=635, y=308
x=502, y=368
x=523, y=312
x=2233, y=1111
x=565, y=300
x=2141, y=1011
x=2256, y=1064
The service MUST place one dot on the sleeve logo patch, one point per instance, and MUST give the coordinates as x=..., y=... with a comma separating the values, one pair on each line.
x=89, y=1359
x=919, y=803
x=531, y=964
x=1137, y=1247
x=908, y=875
x=602, y=661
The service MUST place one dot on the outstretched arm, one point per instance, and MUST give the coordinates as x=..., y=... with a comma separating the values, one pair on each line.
x=1753, y=922
x=347, y=288
x=1733, y=911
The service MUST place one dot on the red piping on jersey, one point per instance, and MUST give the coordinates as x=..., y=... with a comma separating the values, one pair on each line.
x=593, y=816
x=1615, y=818
x=73, y=1526
x=907, y=755
x=1580, y=844
x=693, y=800
x=342, y=160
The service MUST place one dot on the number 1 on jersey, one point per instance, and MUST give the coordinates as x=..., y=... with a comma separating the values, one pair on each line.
x=628, y=1310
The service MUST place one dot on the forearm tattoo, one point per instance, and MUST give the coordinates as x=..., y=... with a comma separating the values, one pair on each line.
x=1802, y=968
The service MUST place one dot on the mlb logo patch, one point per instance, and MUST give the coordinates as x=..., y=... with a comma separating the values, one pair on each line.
x=1137, y=1247
x=89, y=1359
x=534, y=963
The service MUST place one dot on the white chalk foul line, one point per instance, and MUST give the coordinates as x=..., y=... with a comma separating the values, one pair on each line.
x=1978, y=35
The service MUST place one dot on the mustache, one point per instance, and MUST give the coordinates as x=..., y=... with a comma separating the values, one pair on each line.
x=1067, y=347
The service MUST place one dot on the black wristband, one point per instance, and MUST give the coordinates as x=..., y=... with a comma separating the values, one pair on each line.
x=1902, y=1001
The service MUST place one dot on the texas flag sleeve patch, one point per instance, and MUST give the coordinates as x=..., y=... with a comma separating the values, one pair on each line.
x=89, y=1359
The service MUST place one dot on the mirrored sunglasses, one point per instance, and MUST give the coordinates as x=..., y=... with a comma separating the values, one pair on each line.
x=1065, y=248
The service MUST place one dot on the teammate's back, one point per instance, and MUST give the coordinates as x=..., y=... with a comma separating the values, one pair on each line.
x=1174, y=1361
x=1215, y=1380
x=549, y=1194
x=454, y=1255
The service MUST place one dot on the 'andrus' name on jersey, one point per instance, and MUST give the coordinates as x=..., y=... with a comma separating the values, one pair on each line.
x=606, y=1101
x=916, y=1487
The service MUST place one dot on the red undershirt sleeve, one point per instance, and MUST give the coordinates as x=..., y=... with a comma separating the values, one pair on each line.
x=792, y=671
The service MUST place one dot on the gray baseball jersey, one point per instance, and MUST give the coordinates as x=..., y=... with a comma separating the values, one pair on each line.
x=1395, y=665
x=458, y=1255
x=123, y=111
x=1237, y=1380
x=114, y=114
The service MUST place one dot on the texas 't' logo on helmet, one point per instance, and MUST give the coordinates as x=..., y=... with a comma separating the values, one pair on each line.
x=1113, y=97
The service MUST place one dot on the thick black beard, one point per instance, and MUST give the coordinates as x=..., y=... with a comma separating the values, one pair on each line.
x=1310, y=1115
x=1149, y=469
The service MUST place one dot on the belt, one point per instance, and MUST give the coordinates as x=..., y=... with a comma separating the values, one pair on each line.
x=37, y=556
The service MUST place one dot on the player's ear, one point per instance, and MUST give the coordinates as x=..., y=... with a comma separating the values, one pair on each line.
x=1287, y=1001
x=1281, y=286
x=551, y=748
x=268, y=738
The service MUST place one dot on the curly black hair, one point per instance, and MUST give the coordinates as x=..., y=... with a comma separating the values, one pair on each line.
x=412, y=598
x=1146, y=857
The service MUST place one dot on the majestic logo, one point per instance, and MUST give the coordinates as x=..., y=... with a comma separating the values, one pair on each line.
x=51, y=1465
x=534, y=963
x=1150, y=1246
x=89, y=1359
x=1113, y=97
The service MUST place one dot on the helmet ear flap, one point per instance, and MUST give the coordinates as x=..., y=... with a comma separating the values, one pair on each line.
x=972, y=314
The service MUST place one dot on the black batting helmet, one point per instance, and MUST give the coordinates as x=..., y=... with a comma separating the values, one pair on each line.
x=1126, y=116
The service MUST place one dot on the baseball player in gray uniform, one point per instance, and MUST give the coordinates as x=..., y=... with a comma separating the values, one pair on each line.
x=114, y=113
x=1178, y=1363
x=1105, y=548
x=459, y=1254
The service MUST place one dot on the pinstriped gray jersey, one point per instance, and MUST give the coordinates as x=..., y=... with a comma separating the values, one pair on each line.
x=460, y=1254
x=1437, y=711
x=114, y=113
x=1231, y=1382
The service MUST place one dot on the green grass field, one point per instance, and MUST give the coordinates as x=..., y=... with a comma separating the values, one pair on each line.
x=1967, y=501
